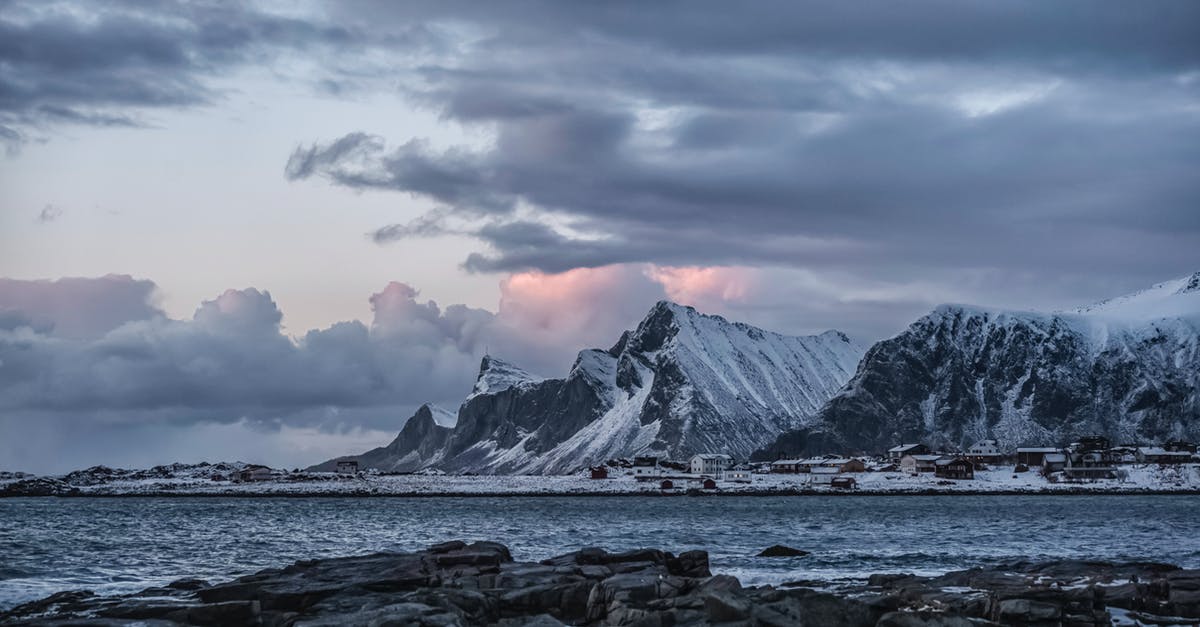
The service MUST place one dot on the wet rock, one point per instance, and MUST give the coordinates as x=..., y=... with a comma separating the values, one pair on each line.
x=926, y=619
x=232, y=614
x=780, y=550
x=724, y=606
x=1028, y=611
x=456, y=583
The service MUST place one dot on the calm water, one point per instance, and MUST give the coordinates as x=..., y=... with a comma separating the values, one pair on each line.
x=115, y=545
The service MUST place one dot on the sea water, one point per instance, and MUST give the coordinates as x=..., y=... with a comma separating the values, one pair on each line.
x=113, y=545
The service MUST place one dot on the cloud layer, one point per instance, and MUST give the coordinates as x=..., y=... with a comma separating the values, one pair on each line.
x=96, y=356
x=802, y=136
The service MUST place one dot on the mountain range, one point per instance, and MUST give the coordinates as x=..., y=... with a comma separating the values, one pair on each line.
x=681, y=382
x=1127, y=368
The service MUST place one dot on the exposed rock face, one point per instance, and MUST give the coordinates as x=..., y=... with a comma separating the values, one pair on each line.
x=455, y=583
x=680, y=383
x=1128, y=368
x=460, y=584
x=420, y=442
x=1050, y=593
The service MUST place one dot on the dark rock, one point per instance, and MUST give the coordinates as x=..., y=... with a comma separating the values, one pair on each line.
x=38, y=486
x=473, y=584
x=232, y=614
x=1027, y=611
x=446, y=547
x=690, y=564
x=925, y=619
x=188, y=584
x=725, y=606
x=780, y=550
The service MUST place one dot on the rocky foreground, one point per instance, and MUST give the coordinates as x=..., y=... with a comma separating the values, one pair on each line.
x=474, y=584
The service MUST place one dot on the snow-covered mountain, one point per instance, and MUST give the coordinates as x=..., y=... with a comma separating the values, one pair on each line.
x=419, y=444
x=1128, y=368
x=680, y=383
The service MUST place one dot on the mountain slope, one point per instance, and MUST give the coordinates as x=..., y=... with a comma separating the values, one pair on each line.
x=1128, y=368
x=680, y=383
x=419, y=443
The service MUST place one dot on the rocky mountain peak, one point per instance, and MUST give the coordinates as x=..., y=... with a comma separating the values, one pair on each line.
x=497, y=374
x=1192, y=285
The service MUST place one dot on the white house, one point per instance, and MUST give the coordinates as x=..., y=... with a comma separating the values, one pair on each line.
x=914, y=464
x=823, y=475
x=985, y=450
x=347, y=467
x=739, y=475
x=710, y=463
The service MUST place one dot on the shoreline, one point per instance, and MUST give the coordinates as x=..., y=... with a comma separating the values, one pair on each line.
x=629, y=493
x=455, y=583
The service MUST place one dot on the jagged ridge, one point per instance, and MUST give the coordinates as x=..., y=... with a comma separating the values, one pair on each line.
x=1128, y=368
x=681, y=382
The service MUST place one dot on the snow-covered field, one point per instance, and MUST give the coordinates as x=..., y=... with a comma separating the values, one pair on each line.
x=197, y=480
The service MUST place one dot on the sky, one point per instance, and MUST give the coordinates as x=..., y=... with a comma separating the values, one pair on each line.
x=269, y=231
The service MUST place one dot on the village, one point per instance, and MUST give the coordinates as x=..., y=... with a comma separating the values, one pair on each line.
x=1090, y=464
x=1088, y=460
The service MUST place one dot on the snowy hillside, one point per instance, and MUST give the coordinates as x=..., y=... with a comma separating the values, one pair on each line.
x=419, y=443
x=680, y=383
x=1128, y=368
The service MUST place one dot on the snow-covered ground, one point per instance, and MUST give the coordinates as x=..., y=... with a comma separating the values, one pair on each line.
x=198, y=480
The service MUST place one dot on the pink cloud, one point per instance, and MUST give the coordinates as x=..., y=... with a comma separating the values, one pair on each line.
x=705, y=287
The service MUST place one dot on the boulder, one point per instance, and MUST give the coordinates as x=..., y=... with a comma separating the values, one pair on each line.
x=779, y=550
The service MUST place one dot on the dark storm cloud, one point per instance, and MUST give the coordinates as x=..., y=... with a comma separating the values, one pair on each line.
x=104, y=64
x=100, y=348
x=990, y=136
x=98, y=345
x=984, y=135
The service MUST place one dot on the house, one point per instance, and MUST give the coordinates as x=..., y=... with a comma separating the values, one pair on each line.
x=599, y=472
x=1034, y=456
x=1090, y=443
x=252, y=472
x=954, y=468
x=786, y=466
x=823, y=475
x=709, y=463
x=843, y=483
x=842, y=464
x=1090, y=472
x=347, y=467
x=1054, y=462
x=739, y=475
x=1156, y=455
x=986, y=451
x=1084, y=461
x=896, y=453
x=1180, y=446
x=914, y=464
x=808, y=464
x=1124, y=454
x=646, y=466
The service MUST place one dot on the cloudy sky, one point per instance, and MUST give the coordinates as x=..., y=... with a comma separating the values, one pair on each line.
x=268, y=231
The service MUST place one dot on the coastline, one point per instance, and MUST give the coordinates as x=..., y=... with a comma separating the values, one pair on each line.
x=455, y=583
x=184, y=481
x=625, y=494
